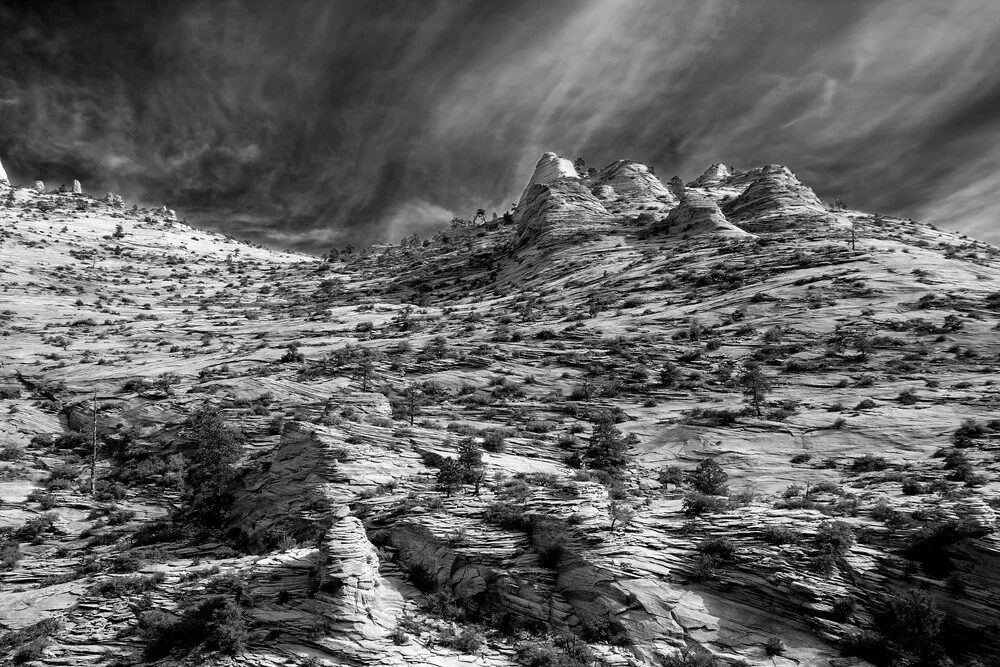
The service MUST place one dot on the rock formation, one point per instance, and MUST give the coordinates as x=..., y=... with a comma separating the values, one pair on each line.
x=698, y=214
x=774, y=193
x=634, y=182
x=39, y=186
x=77, y=188
x=714, y=175
x=550, y=167
x=559, y=210
x=3, y=176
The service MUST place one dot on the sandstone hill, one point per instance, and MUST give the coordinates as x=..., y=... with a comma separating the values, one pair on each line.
x=638, y=425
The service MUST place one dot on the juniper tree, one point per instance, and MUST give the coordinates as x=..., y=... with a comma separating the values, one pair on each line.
x=470, y=462
x=756, y=385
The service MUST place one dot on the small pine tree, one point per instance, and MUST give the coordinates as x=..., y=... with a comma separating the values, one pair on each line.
x=710, y=478
x=450, y=477
x=756, y=385
x=470, y=462
x=608, y=450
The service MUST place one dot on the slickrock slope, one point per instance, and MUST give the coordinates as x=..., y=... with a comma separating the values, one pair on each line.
x=572, y=440
x=715, y=175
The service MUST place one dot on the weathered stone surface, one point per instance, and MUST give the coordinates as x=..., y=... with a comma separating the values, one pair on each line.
x=560, y=210
x=77, y=188
x=774, y=193
x=633, y=182
x=3, y=176
x=39, y=186
x=698, y=214
x=714, y=175
x=550, y=167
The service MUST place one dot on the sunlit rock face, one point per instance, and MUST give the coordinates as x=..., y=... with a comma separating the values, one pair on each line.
x=550, y=167
x=699, y=214
x=77, y=188
x=3, y=176
x=633, y=181
x=774, y=192
x=559, y=210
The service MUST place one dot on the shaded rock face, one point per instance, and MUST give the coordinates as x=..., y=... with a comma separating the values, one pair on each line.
x=699, y=214
x=775, y=192
x=714, y=175
x=3, y=176
x=77, y=188
x=633, y=181
x=550, y=167
x=560, y=210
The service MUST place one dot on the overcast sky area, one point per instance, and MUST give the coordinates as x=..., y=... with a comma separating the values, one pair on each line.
x=309, y=124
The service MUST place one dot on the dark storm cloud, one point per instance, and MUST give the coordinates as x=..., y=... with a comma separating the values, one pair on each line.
x=310, y=123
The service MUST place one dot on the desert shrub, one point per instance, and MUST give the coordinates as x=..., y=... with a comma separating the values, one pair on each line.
x=911, y=622
x=866, y=404
x=10, y=554
x=965, y=435
x=552, y=544
x=868, y=645
x=508, y=516
x=217, y=623
x=11, y=453
x=493, y=441
x=912, y=487
x=126, y=585
x=469, y=642
x=605, y=629
x=844, y=608
x=774, y=646
x=835, y=538
x=802, y=458
x=565, y=650
x=907, y=397
x=868, y=463
x=35, y=526
x=670, y=475
x=720, y=548
x=776, y=535
x=697, y=503
x=929, y=546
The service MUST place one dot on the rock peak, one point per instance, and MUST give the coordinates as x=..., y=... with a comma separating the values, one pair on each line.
x=3, y=176
x=550, y=167
x=714, y=175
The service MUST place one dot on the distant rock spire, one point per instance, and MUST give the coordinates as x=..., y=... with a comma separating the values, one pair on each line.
x=3, y=176
x=77, y=188
x=39, y=186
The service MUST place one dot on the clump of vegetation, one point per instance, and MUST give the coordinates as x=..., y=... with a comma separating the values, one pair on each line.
x=217, y=623
x=213, y=459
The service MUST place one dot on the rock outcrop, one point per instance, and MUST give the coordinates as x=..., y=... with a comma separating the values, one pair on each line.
x=714, y=175
x=775, y=193
x=550, y=167
x=634, y=182
x=39, y=186
x=3, y=176
x=698, y=214
x=559, y=210
x=77, y=188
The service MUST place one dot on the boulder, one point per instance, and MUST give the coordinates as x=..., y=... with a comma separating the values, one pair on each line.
x=3, y=176
x=39, y=186
x=77, y=188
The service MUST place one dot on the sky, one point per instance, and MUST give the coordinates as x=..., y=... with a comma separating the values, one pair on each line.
x=310, y=124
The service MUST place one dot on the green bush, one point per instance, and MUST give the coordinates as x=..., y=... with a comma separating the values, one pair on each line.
x=869, y=463
x=696, y=504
